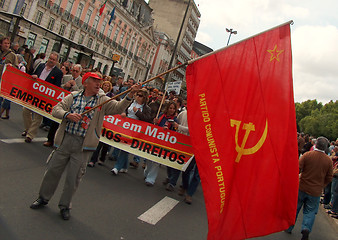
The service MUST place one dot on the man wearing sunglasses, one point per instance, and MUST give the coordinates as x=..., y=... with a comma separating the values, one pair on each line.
x=73, y=82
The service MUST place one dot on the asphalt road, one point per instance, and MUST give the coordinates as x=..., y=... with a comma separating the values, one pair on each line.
x=105, y=207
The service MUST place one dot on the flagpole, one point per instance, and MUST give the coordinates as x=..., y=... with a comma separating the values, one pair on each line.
x=128, y=90
x=184, y=64
x=221, y=49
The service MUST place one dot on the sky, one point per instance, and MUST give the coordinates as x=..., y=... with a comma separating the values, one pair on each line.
x=314, y=37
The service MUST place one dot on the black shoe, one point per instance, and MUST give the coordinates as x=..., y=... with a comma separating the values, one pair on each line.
x=305, y=233
x=38, y=203
x=65, y=214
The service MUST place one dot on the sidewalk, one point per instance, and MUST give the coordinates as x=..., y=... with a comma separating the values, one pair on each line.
x=332, y=220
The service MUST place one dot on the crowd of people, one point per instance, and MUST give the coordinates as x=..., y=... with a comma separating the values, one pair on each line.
x=88, y=87
x=75, y=144
x=318, y=167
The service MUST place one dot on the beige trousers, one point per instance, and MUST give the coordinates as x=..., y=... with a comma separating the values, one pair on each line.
x=69, y=155
x=31, y=121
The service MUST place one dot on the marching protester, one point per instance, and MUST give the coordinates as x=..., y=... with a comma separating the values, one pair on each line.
x=48, y=72
x=6, y=57
x=76, y=138
x=29, y=58
x=138, y=110
x=190, y=177
x=165, y=120
x=316, y=172
x=39, y=58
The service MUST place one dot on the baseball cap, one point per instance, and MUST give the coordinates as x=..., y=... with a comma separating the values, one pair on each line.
x=90, y=74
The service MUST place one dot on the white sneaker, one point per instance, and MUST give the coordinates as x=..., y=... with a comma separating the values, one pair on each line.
x=114, y=171
x=123, y=170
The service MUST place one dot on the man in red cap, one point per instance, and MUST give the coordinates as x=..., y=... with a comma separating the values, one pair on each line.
x=76, y=138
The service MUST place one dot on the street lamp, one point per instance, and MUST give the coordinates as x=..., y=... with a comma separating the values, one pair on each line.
x=231, y=32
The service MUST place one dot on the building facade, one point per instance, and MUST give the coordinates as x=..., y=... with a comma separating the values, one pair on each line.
x=168, y=17
x=76, y=30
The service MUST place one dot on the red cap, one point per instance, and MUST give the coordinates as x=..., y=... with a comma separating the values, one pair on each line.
x=90, y=74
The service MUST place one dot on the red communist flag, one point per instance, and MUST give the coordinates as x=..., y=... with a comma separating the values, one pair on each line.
x=243, y=129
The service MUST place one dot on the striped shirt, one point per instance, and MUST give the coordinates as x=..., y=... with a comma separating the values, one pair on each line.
x=79, y=105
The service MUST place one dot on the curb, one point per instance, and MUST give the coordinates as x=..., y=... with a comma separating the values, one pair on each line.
x=332, y=220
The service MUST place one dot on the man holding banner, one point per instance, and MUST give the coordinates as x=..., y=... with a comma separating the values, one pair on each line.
x=48, y=72
x=76, y=138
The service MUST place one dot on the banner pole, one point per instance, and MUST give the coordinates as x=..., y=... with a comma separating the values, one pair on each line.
x=221, y=49
x=128, y=90
x=162, y=101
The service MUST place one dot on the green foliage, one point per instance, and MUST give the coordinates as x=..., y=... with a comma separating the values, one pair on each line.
x=317, y=120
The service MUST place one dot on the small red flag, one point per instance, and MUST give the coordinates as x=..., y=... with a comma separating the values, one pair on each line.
x=102, y=8
x=242, y=126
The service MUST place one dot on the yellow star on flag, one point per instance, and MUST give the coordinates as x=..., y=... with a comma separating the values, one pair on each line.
x=275, y=53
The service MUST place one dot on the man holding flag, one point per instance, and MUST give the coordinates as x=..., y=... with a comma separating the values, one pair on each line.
x=76, y=139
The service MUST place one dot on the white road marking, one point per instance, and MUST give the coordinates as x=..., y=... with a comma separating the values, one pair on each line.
x=22, y=140
x=158, y=211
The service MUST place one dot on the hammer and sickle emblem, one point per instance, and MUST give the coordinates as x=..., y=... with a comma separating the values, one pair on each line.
x=248, y=127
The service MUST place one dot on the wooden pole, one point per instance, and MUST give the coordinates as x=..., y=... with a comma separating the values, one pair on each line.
x=128, y=90
x=162, y=101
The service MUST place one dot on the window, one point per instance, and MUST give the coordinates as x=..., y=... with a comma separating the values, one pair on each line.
x=31, y=40
x=90, y=43
x=103, y=26
x=51, y=24
x=110, y=55
x=69, y=5
x=126, y=64
x=72, y=34
x=88, y=15
x=44, y=45
x=38, y=17
x=62, y=29
x=23, y=9
x=81, y=39
x=126, y=42
x=99, y=65
x=104, y=49
x=97, y=46
x=110, y=30
x=96, y=21
x=116, y=33
x=132, y=45
x=2, y=3
x=122, y=37
x=79, y=10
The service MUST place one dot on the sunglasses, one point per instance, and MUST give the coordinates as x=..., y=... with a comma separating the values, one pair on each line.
x=160, y=94
x=140, y=95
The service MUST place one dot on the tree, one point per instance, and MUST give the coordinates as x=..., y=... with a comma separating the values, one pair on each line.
x=318, y=120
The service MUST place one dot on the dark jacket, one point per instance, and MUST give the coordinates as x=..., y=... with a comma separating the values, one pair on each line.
x=54, y=77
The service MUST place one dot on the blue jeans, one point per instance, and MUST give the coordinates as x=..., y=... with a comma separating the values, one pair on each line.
x=191, y=178
x=151, y=171
x=327, y=194
x=173, y=175
x=334, y=191
x=122, y=161
x=310, y=206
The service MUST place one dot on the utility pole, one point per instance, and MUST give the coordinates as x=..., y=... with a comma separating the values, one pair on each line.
x=176, y=45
